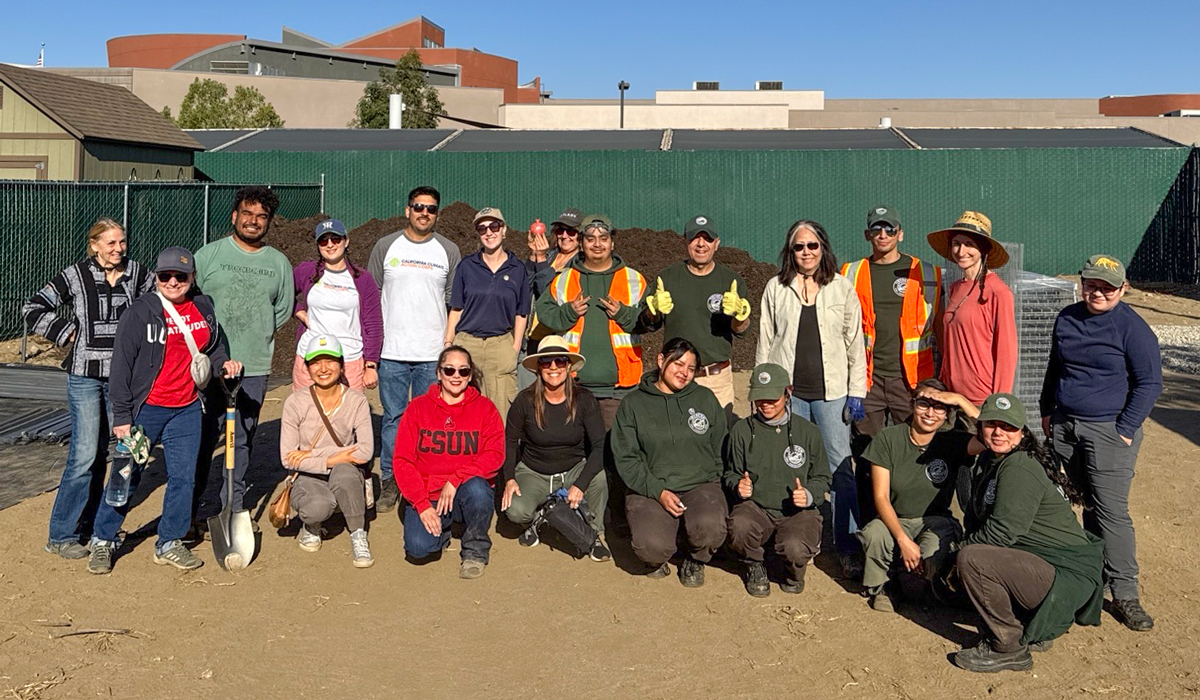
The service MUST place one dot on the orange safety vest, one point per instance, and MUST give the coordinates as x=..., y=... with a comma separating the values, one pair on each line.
x=626, y=287
x=922, y=299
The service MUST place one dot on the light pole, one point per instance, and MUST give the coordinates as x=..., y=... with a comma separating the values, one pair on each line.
x=622, y=86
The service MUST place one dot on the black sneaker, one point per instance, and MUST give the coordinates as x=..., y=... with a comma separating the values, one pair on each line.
x=795, y=584
x=984, y=659
x=529, y=538
x=389, y=494
x=660, y=572
x=1129, y=612
x=1039, y=647
x=691, y=573
x=599, y=552
x=757, y=583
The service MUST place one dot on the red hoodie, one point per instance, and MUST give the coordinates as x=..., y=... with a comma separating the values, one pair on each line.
x=438, y=442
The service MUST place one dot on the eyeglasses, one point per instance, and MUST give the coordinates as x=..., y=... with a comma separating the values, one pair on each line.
x=1106, y=290
x=421, y=206
x=564, y=231
x=811, y=245
x=880, y=229
x=330, y=239
x=927, y=405
x=448, y=371
x=165, y=277
x=553, y=362
x=492, y=226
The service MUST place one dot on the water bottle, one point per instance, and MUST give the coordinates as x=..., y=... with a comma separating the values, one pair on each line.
x=117, y=493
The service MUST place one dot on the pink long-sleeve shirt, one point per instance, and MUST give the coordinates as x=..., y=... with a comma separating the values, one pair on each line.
x=979, y=341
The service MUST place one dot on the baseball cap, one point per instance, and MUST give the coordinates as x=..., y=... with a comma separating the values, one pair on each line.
x=596, y=220
x=489, y=213
x=570, y=218
x=768, y=381
x=333, y=226
x=698, y=224
x=175, y=259
x=1003, y=407
x=883, y=214
x=1105, y=268
x=322, y=346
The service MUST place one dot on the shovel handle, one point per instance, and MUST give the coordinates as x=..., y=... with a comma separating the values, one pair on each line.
x=230, y=417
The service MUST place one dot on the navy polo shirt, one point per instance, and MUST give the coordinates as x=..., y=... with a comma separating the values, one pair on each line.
x=490, y=301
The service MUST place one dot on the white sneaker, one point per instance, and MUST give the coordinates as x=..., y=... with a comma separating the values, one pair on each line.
x=308, y=541
x=360, y=550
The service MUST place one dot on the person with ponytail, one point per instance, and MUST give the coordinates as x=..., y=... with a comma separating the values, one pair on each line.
x=979, y=328
x=335, y=297
x=97, y=290
x=1027, y=565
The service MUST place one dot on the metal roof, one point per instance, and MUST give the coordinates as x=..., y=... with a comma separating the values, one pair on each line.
x=212, y=138
x=340, y=140
x=1121, y=137
x=783, y=139
x=480, y=140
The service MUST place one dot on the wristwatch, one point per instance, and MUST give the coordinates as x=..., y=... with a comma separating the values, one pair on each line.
x=371, y=365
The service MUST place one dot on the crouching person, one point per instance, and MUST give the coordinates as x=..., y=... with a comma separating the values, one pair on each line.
x=449, y=447
x=666, y=441
x=914, y=469
x=555, y=440
x=324, y=435
x=1030, y=569
x=778, y=474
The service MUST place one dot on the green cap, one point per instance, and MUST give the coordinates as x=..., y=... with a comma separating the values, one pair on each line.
x=322, y=346
x=1105, y=268
x=596, y=220
x=768, y=381
x=883, y=214
x=1003, y=407
x=697, y=225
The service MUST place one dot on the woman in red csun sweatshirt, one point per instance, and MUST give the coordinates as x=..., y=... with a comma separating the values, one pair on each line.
x=449, y=447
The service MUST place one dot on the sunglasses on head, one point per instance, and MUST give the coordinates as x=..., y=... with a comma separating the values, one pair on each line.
x=421, y=206
x=166, y=277
x=330, y=239
x=448, y=371
x=486, y=226
x=553, y=362
x=880, y=229
x=811, y=245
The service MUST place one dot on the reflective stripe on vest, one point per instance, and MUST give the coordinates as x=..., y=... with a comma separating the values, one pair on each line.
x=627, y=286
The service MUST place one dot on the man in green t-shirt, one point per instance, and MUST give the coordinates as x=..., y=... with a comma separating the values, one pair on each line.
x=703, y=302
x=914, y=468
x=252, y=290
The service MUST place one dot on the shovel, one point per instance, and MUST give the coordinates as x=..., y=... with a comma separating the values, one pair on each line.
x=232, y=533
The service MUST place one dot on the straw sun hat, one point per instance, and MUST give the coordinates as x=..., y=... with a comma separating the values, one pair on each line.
x=979, y=228
x=553, y=346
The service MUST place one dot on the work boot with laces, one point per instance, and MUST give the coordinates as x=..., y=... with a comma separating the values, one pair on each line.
x=691, y=573
x=757, y=583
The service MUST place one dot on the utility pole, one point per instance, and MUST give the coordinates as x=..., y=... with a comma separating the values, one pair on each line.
x=622, y=86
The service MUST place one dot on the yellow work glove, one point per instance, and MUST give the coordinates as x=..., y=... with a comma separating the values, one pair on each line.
x=734, y=305
x=660, y=302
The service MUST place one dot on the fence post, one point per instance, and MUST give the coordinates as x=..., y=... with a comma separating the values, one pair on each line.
x=125, y=211
x=321, y=206
x=204, y=237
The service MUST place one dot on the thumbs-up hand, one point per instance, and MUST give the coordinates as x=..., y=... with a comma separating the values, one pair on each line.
x=745, y=487
x=659, y=302
x=800, y=496
x=734, y=305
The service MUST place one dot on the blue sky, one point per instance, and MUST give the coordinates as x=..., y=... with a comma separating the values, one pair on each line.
x=863, y=49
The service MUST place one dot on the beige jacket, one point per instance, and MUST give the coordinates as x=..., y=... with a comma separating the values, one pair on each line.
x=839, y=318
x=301, y=423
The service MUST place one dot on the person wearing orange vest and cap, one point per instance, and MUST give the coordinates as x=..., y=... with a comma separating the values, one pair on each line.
x=901, y=298
x=595, y=303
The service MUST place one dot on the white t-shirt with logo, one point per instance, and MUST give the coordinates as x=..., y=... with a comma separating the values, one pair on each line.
x=333, y=309
x=415, y=281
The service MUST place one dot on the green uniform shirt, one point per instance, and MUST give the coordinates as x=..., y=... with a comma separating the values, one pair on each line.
x=888, y=283
x=1014, y=504
x=697, y=315
x=252, y=294
x=776, y=456
x=668, y=441
x=922, y=478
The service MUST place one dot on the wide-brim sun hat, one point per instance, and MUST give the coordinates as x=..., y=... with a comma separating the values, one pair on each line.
x=979, y=228
x=553, y=346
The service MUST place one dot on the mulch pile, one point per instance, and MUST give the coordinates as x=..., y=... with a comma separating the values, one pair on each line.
x=646, y=250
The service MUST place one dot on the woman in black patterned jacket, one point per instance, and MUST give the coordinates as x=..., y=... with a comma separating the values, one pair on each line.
x=98, y=289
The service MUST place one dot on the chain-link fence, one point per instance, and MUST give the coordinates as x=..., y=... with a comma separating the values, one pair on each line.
x=45, y=224
x=1170, y=250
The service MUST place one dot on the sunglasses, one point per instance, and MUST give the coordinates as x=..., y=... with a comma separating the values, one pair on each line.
x=492, y=226
x=880, y=229
x=928, y=405
x=448, y=371
x=811, y=245
x=330, y=239
x=564, y=231
x=421, y=206
x=553, y=362
x=165, y=277
x=1001, y=426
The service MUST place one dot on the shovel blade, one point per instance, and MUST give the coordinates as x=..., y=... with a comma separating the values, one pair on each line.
x=232, y=539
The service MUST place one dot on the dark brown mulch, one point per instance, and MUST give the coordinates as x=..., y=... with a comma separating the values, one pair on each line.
x=645, y=250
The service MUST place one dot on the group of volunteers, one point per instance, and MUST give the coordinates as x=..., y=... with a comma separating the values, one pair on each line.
x=522, y=385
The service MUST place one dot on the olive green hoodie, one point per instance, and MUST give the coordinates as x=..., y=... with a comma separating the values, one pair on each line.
x=776, y=456
x=668, y=441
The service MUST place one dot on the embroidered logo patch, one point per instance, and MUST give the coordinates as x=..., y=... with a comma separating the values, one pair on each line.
x=701, y=221
x=989, y=495
x=1003, y=404
x=880, y=211
x=937, y=471
x=900, y=286
x=698, y=422
x=714, y=303
x=763, y=377
x=794, y=456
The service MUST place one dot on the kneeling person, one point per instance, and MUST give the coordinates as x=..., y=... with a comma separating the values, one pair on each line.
x=914, y=468
x=666, y=440
x=324, y=436
x=779, y=473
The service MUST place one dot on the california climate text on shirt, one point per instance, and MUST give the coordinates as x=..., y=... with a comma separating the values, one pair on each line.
x=415, y=281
